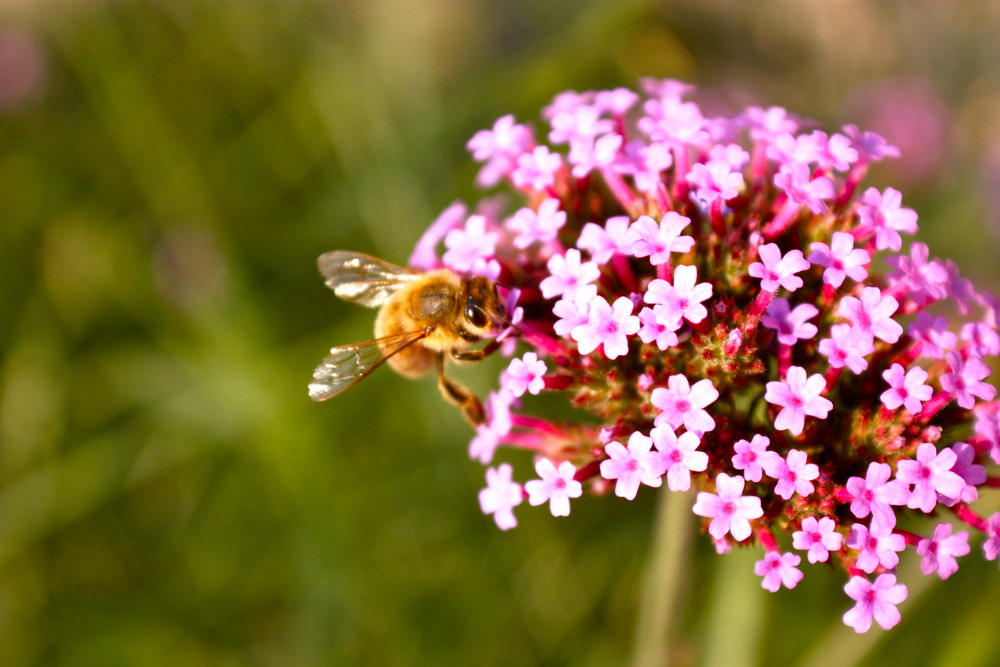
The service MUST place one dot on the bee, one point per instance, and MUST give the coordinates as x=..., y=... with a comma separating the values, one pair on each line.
x=423, y=316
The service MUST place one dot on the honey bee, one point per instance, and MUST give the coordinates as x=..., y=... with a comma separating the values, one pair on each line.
x=422, y=317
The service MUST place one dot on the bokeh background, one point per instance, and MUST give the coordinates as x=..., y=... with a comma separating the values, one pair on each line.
x=169, y=171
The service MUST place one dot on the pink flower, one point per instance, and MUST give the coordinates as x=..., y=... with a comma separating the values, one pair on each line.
x=750, y=456
x=875, y=602
x=877, y=547
x=965, y=380
x=776, y=271
x=532, y=226
x=526, y=374
x=715, y=180
x=871, y=315
x=843, y=348
x=796, y=180
x=791, y=324
x=501, y=496
x=603, y=242
x=798, y=396
x=657, y=241
x=680, y=403
x=555, y=487
x=991, y=546
x=906, y=389
x=607, y=325
x=778, y=569
x=682, y=299
x=678, y=457
x=971, y=473
x=882, y=213
x=729, y=511
x=572, y=309
x=537, y=170
x=940, y=551
x=658, y=327
x=930, y=474
x=498, y=424
x=568, y=273
x=841, y=259
x=794, y=475
x=631, y=467
x=499, y=148
x=876, y=495
x=470, y=249
x=818, y=537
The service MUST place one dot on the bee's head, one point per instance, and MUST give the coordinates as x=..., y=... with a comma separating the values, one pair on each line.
x=483, y=310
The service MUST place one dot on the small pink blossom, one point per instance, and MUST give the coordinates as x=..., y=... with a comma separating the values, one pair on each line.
x=965, y=380
x=571, y=310
x=877, y=547
x=567, y=273
x=819, y=537
x=793, y=473
x=658, y=327
x=798, y=396
x=876, y=495
x=779, y=569
x=991, y=546
x=607, y=326
x=802, y=188
x=657, y=241
x=678, y=457
x=501, y=496
x=526, y=374
x=683, y=404
x=843, y=348
x=715, y=180
x=906, y=388
x=555, y=487
x=684, y=298
x=537, y=170
x=939, y=552
x=882, y=214
x=499, y=148
x=750, y=456
x=791, y=324
x=875, y=602
x=604, y=242
x=776, y=270
x=542, y=226
x=729, y=511
x=930, y=474
x=470, y=250
x=871, y=315
x=840, y=259
x=971, y=473
x=933, y=335
x=631, y=467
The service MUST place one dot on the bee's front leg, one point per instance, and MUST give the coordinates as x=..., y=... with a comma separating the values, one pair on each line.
x=455, y=392
x=477, y=355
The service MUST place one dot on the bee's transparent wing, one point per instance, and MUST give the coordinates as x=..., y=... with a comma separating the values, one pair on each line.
x=348, y=364
x=354, y=276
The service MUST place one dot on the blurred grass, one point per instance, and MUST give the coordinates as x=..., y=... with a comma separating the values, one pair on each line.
x=167, y=492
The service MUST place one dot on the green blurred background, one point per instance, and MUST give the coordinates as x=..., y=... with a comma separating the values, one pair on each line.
x=169, y=171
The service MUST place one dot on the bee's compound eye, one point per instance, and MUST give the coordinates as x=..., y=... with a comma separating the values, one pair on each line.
x=476, y=317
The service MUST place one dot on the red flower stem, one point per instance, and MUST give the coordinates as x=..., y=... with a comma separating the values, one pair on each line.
x=933, y=406
x=558, y=382
x=855, y=176
x=963, y=512
x=992, y=482
x=718, y=221
x=620, y=189
x=766, y=538
x=911, y=539
x=592, y=469
x=789, y=212
x=757, y=308
x=623, y=269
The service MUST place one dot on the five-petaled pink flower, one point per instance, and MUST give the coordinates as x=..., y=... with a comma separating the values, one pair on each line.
x=683, y=404
x=876, y=495
x=793, y=473
x=751, y=456
x=607, y=325
x=875, y=602
x=526, y=374
x=817, y=536
x=631, y=467
x=877, y=547
x=906, y=388
x=871, y=315
x=840, y=259
x=501, y=496
x=647, y=239
x=729, y=511
x=930, y=474
x=777, y=569
x=939, y=552
x=798, y=396
x=683, y=299
x=966, y=380
x=555, y=487
x=775, y=270
x=791, y=324
x=678, y=457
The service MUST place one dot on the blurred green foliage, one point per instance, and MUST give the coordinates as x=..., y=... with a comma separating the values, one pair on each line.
x=168, y=173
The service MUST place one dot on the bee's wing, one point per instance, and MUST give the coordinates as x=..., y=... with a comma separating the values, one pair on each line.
x=348, y=364
x=354, y=276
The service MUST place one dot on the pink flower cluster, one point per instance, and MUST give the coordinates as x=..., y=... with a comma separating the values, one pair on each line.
x=704, y=288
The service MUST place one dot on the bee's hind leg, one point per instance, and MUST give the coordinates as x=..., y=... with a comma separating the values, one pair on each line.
x=456, y=393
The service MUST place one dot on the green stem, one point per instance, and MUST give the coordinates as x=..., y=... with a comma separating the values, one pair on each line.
x=662, y=589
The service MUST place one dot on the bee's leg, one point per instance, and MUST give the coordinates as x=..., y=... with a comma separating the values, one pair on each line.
x=471, y=406
x=480, y=354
